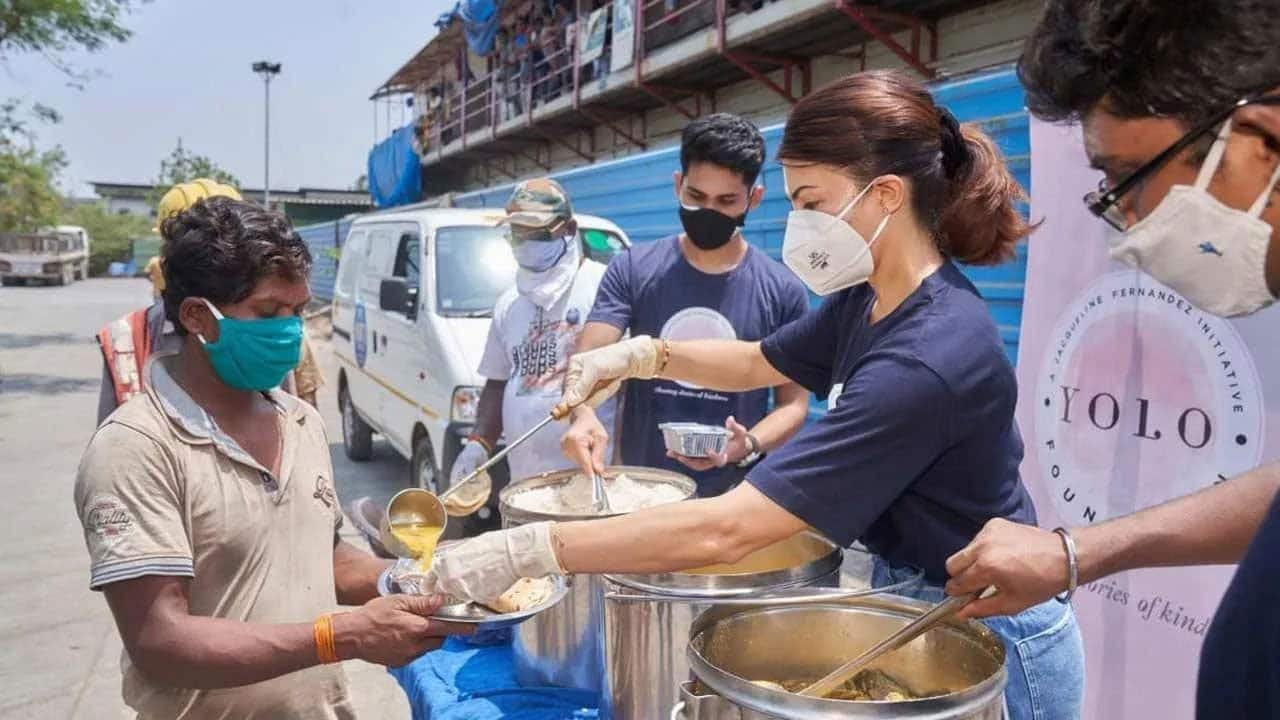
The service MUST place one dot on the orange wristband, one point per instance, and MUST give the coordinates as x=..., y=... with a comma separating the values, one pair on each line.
x=326, y=649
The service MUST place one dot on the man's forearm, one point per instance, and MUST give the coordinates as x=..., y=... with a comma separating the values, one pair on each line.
x=787, y=418
x=209, y=653
x=489, y=413
x=1213, y=526
x=355, y=574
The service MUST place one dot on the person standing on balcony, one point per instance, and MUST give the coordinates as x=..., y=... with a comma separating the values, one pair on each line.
x=562, y=21
x=520, y=40
x=706, y=282
x=538, y=60
x=509, y=98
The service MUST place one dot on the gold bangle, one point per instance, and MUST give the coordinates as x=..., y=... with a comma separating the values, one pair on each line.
x=666, y=357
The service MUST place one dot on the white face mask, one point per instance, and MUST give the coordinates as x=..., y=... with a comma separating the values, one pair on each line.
x=545, y=287
x=825, y=251
x=1211, y=254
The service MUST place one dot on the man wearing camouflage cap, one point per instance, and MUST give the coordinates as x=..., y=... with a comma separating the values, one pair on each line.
x=535, y=328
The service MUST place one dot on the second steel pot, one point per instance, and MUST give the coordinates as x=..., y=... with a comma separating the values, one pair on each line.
x=564, y=645
x=648, y=617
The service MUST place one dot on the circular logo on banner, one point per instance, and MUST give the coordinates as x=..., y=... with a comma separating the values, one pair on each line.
x=698, y=323
x=1142, y=397
x=359, y=334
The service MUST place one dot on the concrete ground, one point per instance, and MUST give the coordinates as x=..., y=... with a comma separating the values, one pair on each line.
x=59, y=650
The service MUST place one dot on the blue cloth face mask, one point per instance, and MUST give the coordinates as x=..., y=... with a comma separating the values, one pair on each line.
x=540, y=255
x=254, y=354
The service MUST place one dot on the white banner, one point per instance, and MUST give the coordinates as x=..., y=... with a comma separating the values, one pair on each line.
x=1130, y=396
x=592, y=36
x=624, y=35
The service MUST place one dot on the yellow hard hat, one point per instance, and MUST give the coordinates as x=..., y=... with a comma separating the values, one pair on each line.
x=184, y=195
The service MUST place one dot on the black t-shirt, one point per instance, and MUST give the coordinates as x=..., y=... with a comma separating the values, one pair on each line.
x=919, y=448
x=1240, y=659
x=652, y=289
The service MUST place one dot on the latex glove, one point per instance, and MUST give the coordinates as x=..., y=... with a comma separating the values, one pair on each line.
x=1027, y=564
x=595, y=376
x=482, y=568
x=585, y=441
x=735, y=450
x=472, y=456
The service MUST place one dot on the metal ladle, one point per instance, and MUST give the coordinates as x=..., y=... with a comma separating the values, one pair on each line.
x=599, y=499
x=411, y=505
x=912, y=630
x=472, y=492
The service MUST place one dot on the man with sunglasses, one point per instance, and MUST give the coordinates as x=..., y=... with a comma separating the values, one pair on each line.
x=1180, y=107
x=535, y=329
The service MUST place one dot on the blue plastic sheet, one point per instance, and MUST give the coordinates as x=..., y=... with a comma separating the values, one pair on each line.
x=395, y=171
x=462, y=681
x=479, y=22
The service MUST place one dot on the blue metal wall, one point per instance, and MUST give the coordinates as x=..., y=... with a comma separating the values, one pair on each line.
x=636, y=192
x=324, y=239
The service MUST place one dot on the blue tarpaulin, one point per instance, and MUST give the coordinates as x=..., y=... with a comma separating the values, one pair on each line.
x=479, y=22
x=395, y=172
x=462, y=681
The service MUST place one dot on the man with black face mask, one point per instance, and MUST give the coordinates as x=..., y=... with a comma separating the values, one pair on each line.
x=706, y=282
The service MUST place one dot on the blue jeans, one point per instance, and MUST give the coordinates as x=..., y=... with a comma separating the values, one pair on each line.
x=1044, y=652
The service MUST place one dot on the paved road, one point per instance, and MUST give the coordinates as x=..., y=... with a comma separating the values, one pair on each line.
x=59, y=651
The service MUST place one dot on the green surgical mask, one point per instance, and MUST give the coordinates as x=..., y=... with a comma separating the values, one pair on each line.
x=254, y=354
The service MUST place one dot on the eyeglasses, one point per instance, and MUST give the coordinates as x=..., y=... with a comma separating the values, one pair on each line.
x=1104, y=202
x=523, y=235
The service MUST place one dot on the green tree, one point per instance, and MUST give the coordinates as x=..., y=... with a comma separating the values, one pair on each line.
x=111, y=236
x=181, y=166
x=54, y=28
x=28, y=197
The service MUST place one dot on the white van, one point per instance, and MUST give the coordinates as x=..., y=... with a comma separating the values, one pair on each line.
x=414, y=294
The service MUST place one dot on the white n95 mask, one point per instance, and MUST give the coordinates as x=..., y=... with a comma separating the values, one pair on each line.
x=1211, y=254
x=826, y=252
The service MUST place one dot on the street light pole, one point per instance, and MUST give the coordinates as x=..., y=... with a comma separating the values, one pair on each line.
x=267, y=70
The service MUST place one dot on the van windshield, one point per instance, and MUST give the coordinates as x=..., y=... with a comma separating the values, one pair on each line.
x=473, y=266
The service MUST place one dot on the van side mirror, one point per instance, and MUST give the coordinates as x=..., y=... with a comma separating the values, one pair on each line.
x=395, y=295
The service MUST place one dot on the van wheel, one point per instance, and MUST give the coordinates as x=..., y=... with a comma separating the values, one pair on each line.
x=423, y=472
x=357, y=436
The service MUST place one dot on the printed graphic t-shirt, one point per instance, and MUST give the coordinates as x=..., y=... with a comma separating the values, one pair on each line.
x=653, y=290
x=529, y=347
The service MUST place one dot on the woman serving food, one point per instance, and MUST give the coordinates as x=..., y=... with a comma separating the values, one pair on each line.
x=919, y=447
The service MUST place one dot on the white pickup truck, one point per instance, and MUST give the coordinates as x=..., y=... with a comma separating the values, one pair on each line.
x=59, y=255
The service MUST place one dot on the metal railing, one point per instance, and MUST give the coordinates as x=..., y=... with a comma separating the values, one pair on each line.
x=513, y=90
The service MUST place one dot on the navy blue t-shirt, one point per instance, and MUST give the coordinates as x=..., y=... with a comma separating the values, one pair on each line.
x=1240, y=658
x=921, y=448
x=652, y=290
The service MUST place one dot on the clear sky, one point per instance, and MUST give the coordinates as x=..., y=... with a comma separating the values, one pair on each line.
x=186, y=73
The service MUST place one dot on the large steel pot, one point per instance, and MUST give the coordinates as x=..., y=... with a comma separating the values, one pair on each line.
x=730, y=647
x=648, y=617
x=564, y=645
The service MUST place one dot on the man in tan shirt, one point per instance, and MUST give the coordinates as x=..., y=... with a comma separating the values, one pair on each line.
x=208, y=501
